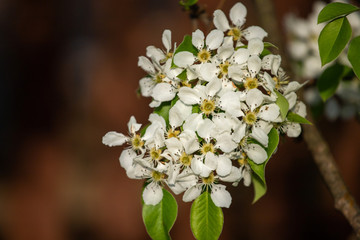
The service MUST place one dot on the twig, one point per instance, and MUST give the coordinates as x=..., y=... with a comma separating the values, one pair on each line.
x=323, y=158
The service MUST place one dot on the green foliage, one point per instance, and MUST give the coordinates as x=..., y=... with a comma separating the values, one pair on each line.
x=335, y=10
x=185, y=45
x=296, y=118
x=160, y=218
x=283, y=104
x=269, y=44
x=187, y=3
x=353, y=55
x=195, y=109
x=258, y=176
x=329, y=81
x=333, y=39
x=163, y=110
x=206, y=219
x=183, y=75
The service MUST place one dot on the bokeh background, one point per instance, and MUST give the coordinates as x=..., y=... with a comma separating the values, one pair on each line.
x=68, y=73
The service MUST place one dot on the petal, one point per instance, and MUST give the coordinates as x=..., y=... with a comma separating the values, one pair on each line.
x=112, y=139
x=166, y=39
x=236, y=73
x=224, y=166
x=198, y=39
x=235, y=175
x=291, y=98
x=173, y=172
x=241, y=55
x=239, y=133
x=300, y=109
x=189, y=96
x=163, y=92
x=146, y=86
x=269, y=112
x=178, y=113
x=184, y=59
x=174, y=146
x=213, y=87
x=192, y=193
x=259, y=135
x=224, y=52
x=293, y=129
x=254, y=32
x=230, y=103
x=214, y=39
x=254, y=65
x=211, y=161
x=271, y=62
x=192, y=122
x=152, y=194
x=254, y=98
x=127, y=158
x=255, y=46
x=209, y=71
x=146, y=65
x=133, y=126
x=247, y=177
x=154, y=104
x=205, y=128
x=220, y=196
x=256, y=153
x=225, y=143
x=268, y=82
x=190, y=141
x=220, y=21
x=197, y=164
x=157, y=119
x=155, y=53
x=292, y=87
x=238, y=14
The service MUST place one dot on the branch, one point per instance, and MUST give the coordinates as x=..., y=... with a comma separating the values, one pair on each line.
x=323, y=158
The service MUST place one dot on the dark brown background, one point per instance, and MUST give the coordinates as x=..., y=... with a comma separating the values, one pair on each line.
x=69, y=74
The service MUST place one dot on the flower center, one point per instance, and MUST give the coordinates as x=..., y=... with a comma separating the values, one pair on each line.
x=250, y=118
x=207, y=106
x=157, y=176
x=204, y=55
x=251, y=83
x=279, y=82
x=235, y=33
x=209, y=180
x=224, y=68
x=185, y=159
x=207, y=147
x=155, y=154
x=242, y=161
x=159, y=78
x=136, y=142
x=172, y=133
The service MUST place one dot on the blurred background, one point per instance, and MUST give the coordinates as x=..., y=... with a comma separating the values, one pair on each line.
x=68, y=72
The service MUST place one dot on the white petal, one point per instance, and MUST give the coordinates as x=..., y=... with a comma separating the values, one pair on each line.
x=213, y=87
x=154, y=104
x=255, y=46
x=300, y=109
x=238, y=14
x=211, y=161
x=254, y=98
x=268, y=82
x=292, y=87
x=197, y=164
x=224, y=166
x=114, y=139
x=166, y=39
x=192, y=193
x=127, y=158
x=293, y=129
x=152, y=194
x=259, y=135
x=254, y=32
x=256, y=153
x=146, y=86
x=173, y=172
x=174, y=146
x=209, y=71
x=157, y=119
x=224, y=52
x=163, y=92
x=184, y=59
x=155, y=53
x=198, y=39
x=146, y=65
x=254, y=65
x=133, y=126
x=225, y=143
x=247, y=177
x=236, y=73
x=230, y=103
x=269, y=112
x=241, y=55
x=239, y=133
x=205, y=128
x=291, y=98
x=192, y=122
x=189, y=96
x=178, y=113
x=220, y=196
x=235, y=175
x=214, y=39
x=220, y=21
x=189, y=141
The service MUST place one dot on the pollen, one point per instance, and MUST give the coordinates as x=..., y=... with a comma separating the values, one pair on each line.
x=235, y=33
x=172, y=133
x=207, y=106
x=209, y=180
x=279, y=82
x=204, y=56
x=224, y=68
x=185, y=159
x=155, y=154
x=157, y=176
x=242, y=161
x=159, y=77
x=207, y=147
x=136, y=142
x=250, y=118
x=251, y=83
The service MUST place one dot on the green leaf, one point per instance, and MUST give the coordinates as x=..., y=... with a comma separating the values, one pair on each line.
x=335, y=10
x=258, y=177
x=296, y=118
x=163, y=110
x=333, y=39
x=182, y=75
x=143, y=130
x=160, y=218
x=188, y=3
x=329, y=81
x=283, y=104
x=353, y=55
x=185, y=45
x=195, y=109
x=206, y=219
x=269, y=44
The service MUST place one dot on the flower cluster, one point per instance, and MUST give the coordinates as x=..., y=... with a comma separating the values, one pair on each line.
x=216, y=98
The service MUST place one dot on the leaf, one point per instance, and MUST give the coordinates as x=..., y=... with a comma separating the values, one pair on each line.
x=163, y=110
x=283, y=104
x=335, y=10
x=195, y=109
x=353, y=55
x=182, y=75
x=333, y=39
x=188, y=3
x=185, y=45
x=259, y=169
x=206, y=219
x=143, y=130
x=160, y=218
x=269, y=44
x=329, y=81
x=296, y=118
